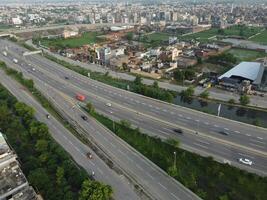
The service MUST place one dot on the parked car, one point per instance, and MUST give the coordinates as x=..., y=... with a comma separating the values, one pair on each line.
x=108, y=104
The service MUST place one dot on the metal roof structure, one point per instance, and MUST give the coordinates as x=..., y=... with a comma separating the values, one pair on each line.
x=252, y=71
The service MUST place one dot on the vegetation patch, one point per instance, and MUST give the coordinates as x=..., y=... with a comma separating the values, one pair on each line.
x=46, y=164
x=204, y=176
x=85, y=38
x=260, y=38
x=246, y=54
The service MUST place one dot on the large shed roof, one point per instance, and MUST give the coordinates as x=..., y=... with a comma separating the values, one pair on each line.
x=252, y=71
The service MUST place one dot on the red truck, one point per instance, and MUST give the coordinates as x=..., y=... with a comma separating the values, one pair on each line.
x=80, y=97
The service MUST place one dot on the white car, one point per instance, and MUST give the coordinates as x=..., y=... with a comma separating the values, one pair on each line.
x=245, y=161
x=108, y=104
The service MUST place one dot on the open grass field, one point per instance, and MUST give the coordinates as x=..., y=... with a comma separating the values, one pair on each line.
x=203, y=35
x=244, y=31
x=246, y=55
x=260, y=38
x=86, y=38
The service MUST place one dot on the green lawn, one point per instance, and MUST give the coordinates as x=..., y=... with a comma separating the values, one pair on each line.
x=244, y=31
x=203, y=35
x=261, y=38
x=86, y=38
x=246, y=55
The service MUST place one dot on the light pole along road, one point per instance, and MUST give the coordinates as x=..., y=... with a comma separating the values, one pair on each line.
x=237, y=144
x=151, y=178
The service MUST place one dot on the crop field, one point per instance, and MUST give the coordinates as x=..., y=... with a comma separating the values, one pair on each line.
x=260, y=38
x=86, y=38
x=246, y=55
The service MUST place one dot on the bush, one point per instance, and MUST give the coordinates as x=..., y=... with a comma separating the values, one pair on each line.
x=244, y=100
x=204, y=94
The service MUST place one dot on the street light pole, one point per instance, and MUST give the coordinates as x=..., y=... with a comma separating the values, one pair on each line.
x=174, y=163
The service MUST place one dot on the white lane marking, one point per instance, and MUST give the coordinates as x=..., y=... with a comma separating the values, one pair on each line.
x=215, y=125
x=64, y=137
x=135, y=121
x=237, y=131
x=248, y=135
x=253, y=140
x=137, y=101
x=101, y=172
x=256, y=145
x=180, y=115
x=204, y=142
x=150, y=105
x=200, y=145
x=260, y=138
x=207, y=123
x=172, y=113
x=188, y=117
x=150, y=176
x=112, y=145
x=121, y=152
x=106, y=139
x=174, y=195
x=227, y=129
x=157, y=108
x=162, y=186
x=144, y=103
x=245, y=155
x=164, y=110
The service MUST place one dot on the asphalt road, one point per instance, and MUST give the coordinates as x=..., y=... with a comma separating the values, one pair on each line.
x=242, y=141
x=214, y=93
x=121, y=187
x=151, y=177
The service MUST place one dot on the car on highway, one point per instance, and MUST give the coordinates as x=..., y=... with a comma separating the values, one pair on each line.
x=108, y=104
x=47, y=116
x=223, y=132
x=84, y=117
x=33, y=69
x=89, y=155
x=245, y=161
x=178, y=130
x=67, y=78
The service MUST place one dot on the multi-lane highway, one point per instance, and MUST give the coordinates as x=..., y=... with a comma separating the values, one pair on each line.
x=152, y=179
x=121, y=187
x=242, y=140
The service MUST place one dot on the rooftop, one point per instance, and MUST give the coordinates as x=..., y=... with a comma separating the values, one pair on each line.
x=252, y=71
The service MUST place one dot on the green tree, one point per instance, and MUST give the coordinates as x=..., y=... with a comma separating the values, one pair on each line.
x=156, y=85
x=129, y=36
x=189, y=92
x=125, y=123
x=90, y=108
x=178, y=75
x=138, y=80
x=94, y=191
x=244, y=100
x=204, y=94
x=41, y=145
x=60, y=175
x=231, y=101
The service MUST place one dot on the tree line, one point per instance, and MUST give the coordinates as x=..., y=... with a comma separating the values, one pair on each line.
x=47, y=166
